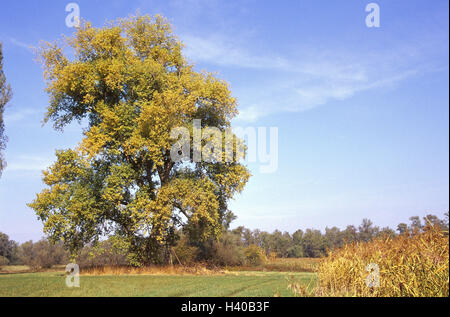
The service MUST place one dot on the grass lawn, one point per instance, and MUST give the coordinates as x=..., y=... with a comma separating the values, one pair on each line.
x=227, y=285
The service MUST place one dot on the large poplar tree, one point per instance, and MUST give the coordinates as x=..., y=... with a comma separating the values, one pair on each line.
x=130, y=82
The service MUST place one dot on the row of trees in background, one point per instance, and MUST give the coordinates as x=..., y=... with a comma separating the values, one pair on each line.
x=314, y=243
x=240, y=246
x=40, y=254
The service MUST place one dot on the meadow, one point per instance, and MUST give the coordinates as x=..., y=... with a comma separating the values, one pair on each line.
x=268, y=280
x=409, y=265
x=232, y=284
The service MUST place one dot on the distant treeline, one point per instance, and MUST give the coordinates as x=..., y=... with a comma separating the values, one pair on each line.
x=240, y=246
x=314, y=243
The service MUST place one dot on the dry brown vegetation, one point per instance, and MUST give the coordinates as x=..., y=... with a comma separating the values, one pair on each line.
x=271, y=265
x=410, y=265
x=282, y=265
x=198, y=269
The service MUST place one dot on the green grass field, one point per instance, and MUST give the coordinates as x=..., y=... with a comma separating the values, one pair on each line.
x=227, y=285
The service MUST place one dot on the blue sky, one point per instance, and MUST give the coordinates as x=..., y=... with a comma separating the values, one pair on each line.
x=362, y=113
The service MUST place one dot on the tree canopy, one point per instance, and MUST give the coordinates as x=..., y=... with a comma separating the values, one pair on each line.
x=130, y=82
x=5, y=97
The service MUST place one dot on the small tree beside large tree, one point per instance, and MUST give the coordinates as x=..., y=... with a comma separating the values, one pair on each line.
x=5, y=97
x=132, y=85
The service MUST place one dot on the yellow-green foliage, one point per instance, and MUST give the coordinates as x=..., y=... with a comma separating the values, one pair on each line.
x=254, y=255
x=183, y=253
x=131, y=80
x=409, y=265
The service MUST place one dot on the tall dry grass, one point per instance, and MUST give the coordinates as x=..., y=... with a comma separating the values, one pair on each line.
x=409, y=266
x=274, y=264
x=199, y=269
x=293, y=264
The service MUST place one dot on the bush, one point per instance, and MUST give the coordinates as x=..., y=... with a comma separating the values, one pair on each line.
x=185, y=253
x=254, y=255
x=225, y=252
x=228, y=255
x=9, y=249
x=105, y=253
x=3, y=261
x=295, y=251
x=272, y=256
x=416, y=265
x=43, y=254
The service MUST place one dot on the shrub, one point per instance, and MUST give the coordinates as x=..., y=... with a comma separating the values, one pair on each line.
x=105, y=253
x=43, y=254
x=295, y=251
x=409, y=265
x=228, y=255
x=185, y=253
x=3, y=261
x=272, y=256
x=254, y=255
x=225, y=252
x=9, y=249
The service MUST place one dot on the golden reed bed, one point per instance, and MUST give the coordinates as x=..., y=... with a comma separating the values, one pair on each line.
x=409, y=265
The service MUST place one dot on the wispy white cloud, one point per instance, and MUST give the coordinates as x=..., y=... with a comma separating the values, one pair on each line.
x=20, y=115
x=28, y=163
x=21, y=44
x=220, y=51
x=251, y=114
x=308, y=95
x=308, y=78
